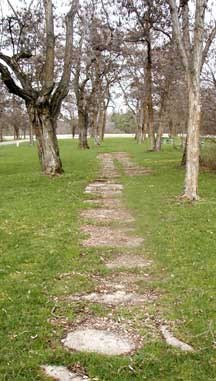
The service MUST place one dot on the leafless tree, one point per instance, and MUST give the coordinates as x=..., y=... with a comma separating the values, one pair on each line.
x=193, y=56
x=43, y=99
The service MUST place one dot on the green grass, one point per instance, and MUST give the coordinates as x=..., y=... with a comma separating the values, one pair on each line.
x=39, y=240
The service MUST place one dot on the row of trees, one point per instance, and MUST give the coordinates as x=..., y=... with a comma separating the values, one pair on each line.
x=152, y=51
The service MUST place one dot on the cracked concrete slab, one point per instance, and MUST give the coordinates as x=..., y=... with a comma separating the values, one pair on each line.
x=116, y=298
x=108, y=215
x=99, y=341
x=103, y=236
x=108, y=203
x=104, y=189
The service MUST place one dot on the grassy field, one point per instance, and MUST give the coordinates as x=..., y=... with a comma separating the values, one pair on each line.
x=39, y=240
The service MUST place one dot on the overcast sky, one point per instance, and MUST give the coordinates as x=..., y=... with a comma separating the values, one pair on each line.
x=62, y=5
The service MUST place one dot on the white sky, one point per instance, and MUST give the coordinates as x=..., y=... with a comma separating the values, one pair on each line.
x=62, y=5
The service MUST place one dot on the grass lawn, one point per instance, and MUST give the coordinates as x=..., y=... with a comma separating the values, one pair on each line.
x=39, y=240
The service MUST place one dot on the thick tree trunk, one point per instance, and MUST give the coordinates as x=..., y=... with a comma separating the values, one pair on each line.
x=192, y=154
x=83, y=128
x=44, y=127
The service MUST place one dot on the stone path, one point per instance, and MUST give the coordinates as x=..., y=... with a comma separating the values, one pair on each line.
x=108, y=225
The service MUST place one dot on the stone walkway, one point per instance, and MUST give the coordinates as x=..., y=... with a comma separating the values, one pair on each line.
x=109, y=226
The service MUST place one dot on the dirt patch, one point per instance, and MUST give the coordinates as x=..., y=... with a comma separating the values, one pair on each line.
x=107, y=215
x=106, y=236
x=61, y=373
x=128, y=261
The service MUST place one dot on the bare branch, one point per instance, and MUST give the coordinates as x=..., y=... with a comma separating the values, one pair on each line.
x=11, y=85
x=198, y=33
x=177, y=33
x=63, y=86
x=13, y=9
x=50, y=43
x=209, y=41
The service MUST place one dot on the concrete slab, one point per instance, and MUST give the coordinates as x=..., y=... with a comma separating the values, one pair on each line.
x=61, y=373
x=128, y=261
x=104, y=236
x=107, y=215
x=173, y=341
x=99, y=341
x=112, y=299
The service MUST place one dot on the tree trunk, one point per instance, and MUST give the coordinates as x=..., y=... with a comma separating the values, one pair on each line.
x=16, y=132
x=73, y=126
x=184, y=156
x=149, y=103
x=192, y=146
x=1, y=133
x=159, y=136
x=161, y=124
x=83, y=128
x=140, y=135
x=44, y=127
x=96, y=122
x=31, y=137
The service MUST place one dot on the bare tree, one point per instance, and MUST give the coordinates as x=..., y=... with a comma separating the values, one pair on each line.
x=43, y=103
x=193, y=55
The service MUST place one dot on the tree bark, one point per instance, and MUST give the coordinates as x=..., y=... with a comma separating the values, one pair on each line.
x=192, y=147
x=148, y=100
x=44, y=106
x=44, y=127
x=83, y=128
x=193, y=56
x=140, y=122
x=163, y=108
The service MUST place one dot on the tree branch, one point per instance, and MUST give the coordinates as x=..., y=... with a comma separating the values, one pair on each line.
x=198, y=34
x=11, y=85
x=63, y=87
x=50, y=44
x=208, y=43
x=12, y=62
x=177, y=33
